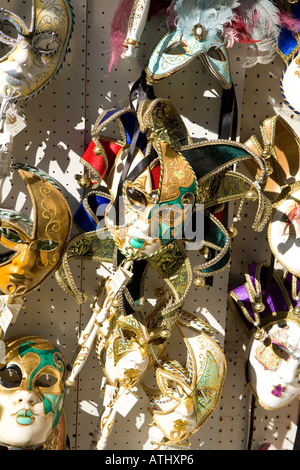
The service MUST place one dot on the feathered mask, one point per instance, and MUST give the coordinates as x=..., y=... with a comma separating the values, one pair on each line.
x=200, y=28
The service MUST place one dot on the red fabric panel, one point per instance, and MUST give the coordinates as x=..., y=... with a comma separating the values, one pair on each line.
x=98, y=162
x=155, y=176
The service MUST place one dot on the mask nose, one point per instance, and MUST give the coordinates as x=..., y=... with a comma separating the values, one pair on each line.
x=24, y=261
x=24, y=398
x=21, y=58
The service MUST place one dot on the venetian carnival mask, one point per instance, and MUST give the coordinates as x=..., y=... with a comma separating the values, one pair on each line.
x=187, y=395
x=199, y=32
x=273, y=352
x=274, y=365
x=126, y=354
x=155, y=215
x=31, y=54
x=35, y=247
x=31, y=391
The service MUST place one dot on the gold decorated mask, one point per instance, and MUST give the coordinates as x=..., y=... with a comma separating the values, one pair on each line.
x=34, y=252
x=154, y=217
x=32, y=51
x=128, y=353
x=189, y=394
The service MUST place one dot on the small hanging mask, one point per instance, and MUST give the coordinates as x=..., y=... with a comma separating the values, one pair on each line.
x=126, y=355
x=32, y=55
x=188, y=395
x=274, y=365
x=199, y=32
x=35, y=248
x=31, y=391
x=273, y=326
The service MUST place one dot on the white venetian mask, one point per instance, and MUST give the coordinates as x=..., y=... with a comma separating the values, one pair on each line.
x=31, y=55
x=273, y=365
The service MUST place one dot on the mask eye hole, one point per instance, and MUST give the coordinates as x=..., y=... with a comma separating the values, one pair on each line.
x=128, y=335
x=8, y=30
x=280, y=351
x=10, y=376
x=136, y=198
x=45, y=381
x=45, y=43
x=177, y=48
x=46, y=245
x=8, y=37
x=216, y=54
x=10, y=235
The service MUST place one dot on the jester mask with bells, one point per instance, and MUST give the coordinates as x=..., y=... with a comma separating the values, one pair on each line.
x=155, y=214
x=35, y=247
x=32, y=393
x=268, y=306
x=167, y=177
x=32, y=52
x=189, y=393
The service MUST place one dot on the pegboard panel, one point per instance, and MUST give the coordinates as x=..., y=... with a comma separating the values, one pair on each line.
x=59, y=122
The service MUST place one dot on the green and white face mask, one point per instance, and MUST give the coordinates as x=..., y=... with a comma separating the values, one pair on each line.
x=154, y=217
x=31, y=391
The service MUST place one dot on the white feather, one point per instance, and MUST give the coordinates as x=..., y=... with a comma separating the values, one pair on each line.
x=212, y=14
x=262, y=21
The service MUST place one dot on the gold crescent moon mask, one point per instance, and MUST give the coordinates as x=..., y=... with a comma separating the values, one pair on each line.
x=35, y=247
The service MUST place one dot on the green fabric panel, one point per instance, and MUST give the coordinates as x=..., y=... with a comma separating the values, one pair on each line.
x=208, y=158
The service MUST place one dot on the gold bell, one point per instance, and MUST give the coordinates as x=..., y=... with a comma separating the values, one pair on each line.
x=259, y=307
x=297, y=310
x=258, y=334
x=83, y=181
x=269, y=169
x=158, y=291
x=165, y=334
x=204, y=250
x=98, y=150
x=252, y=195
x=199, y=282
x=266, y=153
x=232, y=231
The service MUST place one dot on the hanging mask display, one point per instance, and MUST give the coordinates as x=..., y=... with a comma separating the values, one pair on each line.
x=127, y=354
x=164, y=178
x=164, y=172
x=32, y=393
x=188, y=394
x=269, y=308
x=33, y=248
x=281, y=150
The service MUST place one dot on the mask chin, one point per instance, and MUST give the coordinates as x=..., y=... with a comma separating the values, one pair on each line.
x=175, y=51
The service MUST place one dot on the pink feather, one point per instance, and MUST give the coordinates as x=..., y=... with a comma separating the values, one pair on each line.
x=118, y=29
x=289, y=22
